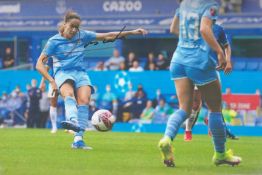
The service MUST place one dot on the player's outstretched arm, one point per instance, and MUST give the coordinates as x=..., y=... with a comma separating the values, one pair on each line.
x=208, y=35
x=116, y=35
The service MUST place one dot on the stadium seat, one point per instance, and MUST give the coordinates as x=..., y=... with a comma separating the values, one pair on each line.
x=142, y=62
x=239, y=65
x=260, y=66
x=92, y=65
x=252, y=66
x=258, y=121
x=1, y=63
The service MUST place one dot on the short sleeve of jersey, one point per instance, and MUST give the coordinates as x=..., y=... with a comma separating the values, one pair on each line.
x=222, y=37
x=89, y=36
x=49, y=48
x=211, y=12
x=177, y=12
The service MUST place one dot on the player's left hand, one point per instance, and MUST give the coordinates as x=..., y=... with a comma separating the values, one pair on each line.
x=140, y=31
x=228, y=68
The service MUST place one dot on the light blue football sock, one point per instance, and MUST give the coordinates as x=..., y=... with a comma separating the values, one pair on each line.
x=83, y=111
x=174, y=122
x=70, y=108
x=218, y=130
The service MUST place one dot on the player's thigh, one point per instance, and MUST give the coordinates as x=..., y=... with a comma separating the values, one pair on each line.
x=184, y=90
x=184, y=86
x=83, y=86
x=64, y=76
x=82, y=79
x=83, y=95
x=67, y=89
x=211, y=93
x=197, y=99
x=53, y=101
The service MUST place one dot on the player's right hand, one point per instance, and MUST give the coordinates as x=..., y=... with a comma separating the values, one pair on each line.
x=140, y=31
x=221, y=61
x=55, y=88
x=228, y=68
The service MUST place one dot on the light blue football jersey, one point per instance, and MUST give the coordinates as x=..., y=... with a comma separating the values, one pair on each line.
x=192, y=50
x=68, y=54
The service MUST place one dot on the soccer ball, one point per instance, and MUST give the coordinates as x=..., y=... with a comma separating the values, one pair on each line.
x=103, y=120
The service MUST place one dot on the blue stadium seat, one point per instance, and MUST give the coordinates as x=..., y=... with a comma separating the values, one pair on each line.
x=91, y=62
x=260, y=66
x=258, y=121
x=142, y=62
x=239, y=65
x=92, y=65
x=1, y=63
x=252, y=66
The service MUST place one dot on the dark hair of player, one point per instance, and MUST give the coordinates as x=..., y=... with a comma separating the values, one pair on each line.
x=68, y=16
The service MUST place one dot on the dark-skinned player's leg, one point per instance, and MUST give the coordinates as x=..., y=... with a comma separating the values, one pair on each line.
x=190, y=122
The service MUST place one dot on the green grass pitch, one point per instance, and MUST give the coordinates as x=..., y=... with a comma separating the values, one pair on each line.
x=38, y=152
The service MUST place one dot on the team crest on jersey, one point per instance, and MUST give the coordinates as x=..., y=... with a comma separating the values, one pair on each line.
x=213, y=11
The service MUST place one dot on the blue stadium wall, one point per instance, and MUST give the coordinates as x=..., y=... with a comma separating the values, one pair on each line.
x=238, y=81
x=198, y=129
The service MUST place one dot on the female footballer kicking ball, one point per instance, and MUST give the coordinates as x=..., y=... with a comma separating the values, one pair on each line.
x=67, y=51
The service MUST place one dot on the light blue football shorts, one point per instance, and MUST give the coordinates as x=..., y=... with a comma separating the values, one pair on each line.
x=79, y=77
x=199, y=77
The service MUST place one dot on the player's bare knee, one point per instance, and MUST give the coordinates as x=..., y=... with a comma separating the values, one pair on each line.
x=68, y=94
x=83, y=101
x=214, y=106
x=53, y=103
x=196, y=105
